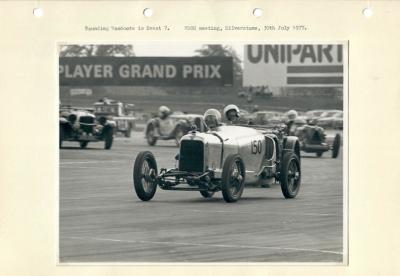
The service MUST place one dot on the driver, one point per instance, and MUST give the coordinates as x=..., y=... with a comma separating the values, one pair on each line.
x=212, y=118
x=163, y=112
x=232, y=113
x=291, y=115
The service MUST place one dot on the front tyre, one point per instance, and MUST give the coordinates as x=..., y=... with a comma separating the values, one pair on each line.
x=108, y=137
x=290, y=175
x=233, y=175
x=150, y=135
x=144, y=175
x=336, y=146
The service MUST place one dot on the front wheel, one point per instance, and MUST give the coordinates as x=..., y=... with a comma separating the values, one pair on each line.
x=151, y=138
x=144, y=175
x=290, y=175
x=108, y=137
x=336, y=146
x=233, y=175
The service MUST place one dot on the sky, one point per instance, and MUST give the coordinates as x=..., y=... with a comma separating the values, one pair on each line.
x=177, y=49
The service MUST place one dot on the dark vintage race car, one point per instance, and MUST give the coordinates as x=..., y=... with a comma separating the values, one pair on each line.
x=224, y=159
x=172, y=128
x=313, y=140
x=81, y=126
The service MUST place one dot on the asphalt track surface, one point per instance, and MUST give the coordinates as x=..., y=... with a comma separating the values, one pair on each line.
x=102, y=220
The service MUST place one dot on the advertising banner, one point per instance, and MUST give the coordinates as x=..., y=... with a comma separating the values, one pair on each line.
x=146, y=71
x=293, y=65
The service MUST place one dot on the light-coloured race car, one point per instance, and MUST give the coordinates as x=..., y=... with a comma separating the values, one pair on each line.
x=171, y=128
x=121, y=114
x=224, y=159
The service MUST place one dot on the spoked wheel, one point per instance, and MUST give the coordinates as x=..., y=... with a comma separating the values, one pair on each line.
x=233, y=175
x=336, y=146
x=151, y=139
x=207, y=194
x=290, y=176
x=144, y=175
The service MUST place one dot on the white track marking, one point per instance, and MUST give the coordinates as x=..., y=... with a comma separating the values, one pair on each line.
x=260, y=213
x=208, y=245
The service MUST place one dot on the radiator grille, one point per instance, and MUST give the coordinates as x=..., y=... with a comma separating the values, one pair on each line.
x=269, y=148
x=191, y=156
x=86, y=123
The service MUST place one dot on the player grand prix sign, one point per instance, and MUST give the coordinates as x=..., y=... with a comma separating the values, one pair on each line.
x=293, y=65
x=146, y=71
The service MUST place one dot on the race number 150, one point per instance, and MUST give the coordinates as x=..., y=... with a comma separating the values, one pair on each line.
x=256, y=146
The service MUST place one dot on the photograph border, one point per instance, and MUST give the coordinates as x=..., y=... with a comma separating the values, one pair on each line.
x=345, y=151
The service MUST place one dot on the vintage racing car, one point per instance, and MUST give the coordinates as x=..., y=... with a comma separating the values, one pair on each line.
x=116, y=111
x=224, y=159
x=313, y=140
x=81, y=126
x=172, y=127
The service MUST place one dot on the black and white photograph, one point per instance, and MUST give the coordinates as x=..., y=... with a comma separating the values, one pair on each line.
x=205, y=153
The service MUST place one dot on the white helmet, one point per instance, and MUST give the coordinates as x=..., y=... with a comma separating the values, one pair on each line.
x=163, y=111
x=231, y=112
x=212, y=118
x=292, y=114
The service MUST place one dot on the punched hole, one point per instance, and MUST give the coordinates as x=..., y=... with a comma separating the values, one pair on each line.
x=367, y=12
x=257, y=12
x=147, y=12
x=38, y=12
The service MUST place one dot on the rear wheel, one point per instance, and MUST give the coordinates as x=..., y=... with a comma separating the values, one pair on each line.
x=151, y=139
x=233, y=175
x=319, y=153
x=207, y=194
x=290, y=175
x=336, y=146
x=144, y=175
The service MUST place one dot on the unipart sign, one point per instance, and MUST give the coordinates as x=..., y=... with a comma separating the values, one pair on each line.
x=294, y=65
